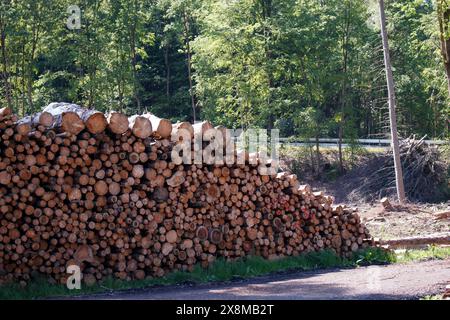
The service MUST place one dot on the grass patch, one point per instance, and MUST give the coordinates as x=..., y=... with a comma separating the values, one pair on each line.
x=431, y=253
x=220, y=270
x=224, y=271
x=435, y=297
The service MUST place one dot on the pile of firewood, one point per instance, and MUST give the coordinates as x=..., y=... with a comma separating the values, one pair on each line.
x=78, y=187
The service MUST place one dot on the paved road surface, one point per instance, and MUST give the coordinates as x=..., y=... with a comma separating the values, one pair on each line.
x=397, y=281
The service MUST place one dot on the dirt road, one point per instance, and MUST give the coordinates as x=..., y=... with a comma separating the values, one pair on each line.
x=397, y=281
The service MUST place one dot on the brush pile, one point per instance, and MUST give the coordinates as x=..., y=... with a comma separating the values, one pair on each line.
x=78, y=187
x=424, y=173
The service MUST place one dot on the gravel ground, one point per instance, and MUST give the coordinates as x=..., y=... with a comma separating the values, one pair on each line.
x=411, y=220
x=397, y=281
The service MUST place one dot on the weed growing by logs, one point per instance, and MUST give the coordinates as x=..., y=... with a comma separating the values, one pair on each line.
x=220, y=270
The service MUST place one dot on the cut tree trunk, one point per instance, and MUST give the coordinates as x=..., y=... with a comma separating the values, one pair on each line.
x=5, y=112
x=183, y=126
x=162, y=128
x=95, y=121
x=202, y=127
x=67, y=117
x=140, y=126
x=117, y=122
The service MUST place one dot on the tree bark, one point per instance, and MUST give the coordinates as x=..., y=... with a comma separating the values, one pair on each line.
x=35, y=39
x=117, y=122
x=140, y=126
x=392, y=114
x=5, y=73
x=267, y=34
x=189, y=65
x=343, y=98
x=167, y=63
x=133, y=64
x=444, y=20
x=67, y=116
x=162, y=128
x=317, y=156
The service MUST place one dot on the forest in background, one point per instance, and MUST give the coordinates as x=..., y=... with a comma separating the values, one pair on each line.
x=308, y=67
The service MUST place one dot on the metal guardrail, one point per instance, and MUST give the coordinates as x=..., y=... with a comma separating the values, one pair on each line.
x=334, y=141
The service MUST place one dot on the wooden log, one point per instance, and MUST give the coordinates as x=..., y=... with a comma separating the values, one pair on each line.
x=140, y=126
x=442, y=215
x=213, y=192
x=114, y=188
x=23, y=126
x=138, y=171
x=386, y=204
x=304, y=188
x=5, y=177
x=176, y=180
x=66, y=116
x=171, y=236
x=117, y=122
x=101, y=188
x=166, y=248
x=215, y=236
x=42, y=118
x=94, y=121
x=183, y=126
x=4, y=112
x=84, y=253
x=226, y=135
x=162, y=128
x=202, y=127
x=202, y=233
x=440, y=239
x=161, y=194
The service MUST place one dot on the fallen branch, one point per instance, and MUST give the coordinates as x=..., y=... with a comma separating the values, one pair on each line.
x=415, y=241
x=442, y=215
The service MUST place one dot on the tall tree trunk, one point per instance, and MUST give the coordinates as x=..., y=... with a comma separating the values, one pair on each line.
x=167, y=63
x=35, y=38
x=134, y=64
x=340, y=140
x=345, y=40
x=92, y=58
x=317, y=156
x=267, y=34
x=23, y=80
x=119, y=79
x=5, y=71
x=30, y=93
x=392, y=114
x=444, y=21
x=188, y=58
x=15, y=79
x=119, y=85
x=30, y=68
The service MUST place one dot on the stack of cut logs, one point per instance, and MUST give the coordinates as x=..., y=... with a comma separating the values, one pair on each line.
x=78, y=187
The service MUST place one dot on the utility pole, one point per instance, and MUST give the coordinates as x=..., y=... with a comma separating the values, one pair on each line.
x=392, y=115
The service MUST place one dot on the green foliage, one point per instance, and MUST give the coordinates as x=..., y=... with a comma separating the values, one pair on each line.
x=431, y=253
x=373, y=256
x=435, y=297
x=422, y=95
x=255, y=63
